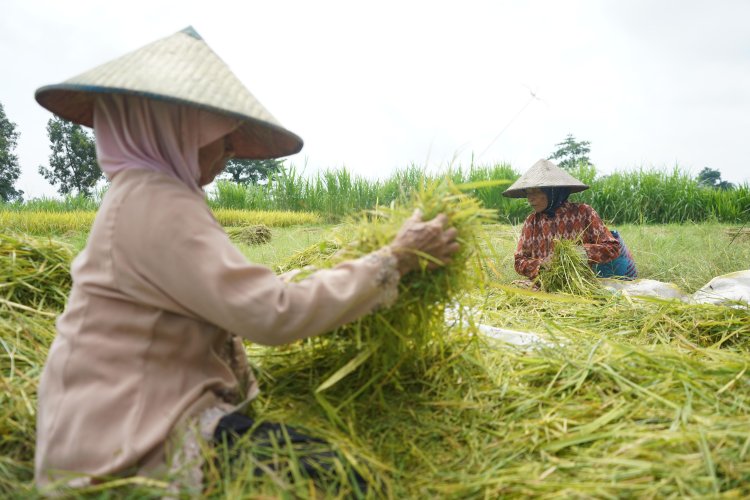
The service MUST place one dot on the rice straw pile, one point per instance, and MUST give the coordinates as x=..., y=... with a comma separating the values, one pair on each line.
x=257, y=234
x=317, y=254
x=568, y=271
x=34, y=287
x=34, y=272
x=630, y=398
x=642, y=320
x=586, y=416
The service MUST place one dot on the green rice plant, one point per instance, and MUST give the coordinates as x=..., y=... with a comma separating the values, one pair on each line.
x=35, y=272
x=229, y=195
x=250, y=235
x=69, y=203
x=568, y=270
x=661, y=196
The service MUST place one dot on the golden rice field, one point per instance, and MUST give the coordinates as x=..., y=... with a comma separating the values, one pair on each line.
x=625, y=398
x=60, y=223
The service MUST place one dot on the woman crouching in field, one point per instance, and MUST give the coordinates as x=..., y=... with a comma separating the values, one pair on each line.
x=147, y=361
x=547, y=187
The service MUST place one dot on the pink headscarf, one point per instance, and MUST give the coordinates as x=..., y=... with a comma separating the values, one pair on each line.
x=138, y=133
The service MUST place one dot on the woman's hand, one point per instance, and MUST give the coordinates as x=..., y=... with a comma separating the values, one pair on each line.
x=418, y=237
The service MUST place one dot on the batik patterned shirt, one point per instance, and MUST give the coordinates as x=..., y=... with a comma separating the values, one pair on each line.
x=571, y=220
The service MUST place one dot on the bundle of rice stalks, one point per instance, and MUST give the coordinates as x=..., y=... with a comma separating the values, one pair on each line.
x=250, y=235
x=568, y=271
x=314, y=255
x=34, y=272
x=406, y=340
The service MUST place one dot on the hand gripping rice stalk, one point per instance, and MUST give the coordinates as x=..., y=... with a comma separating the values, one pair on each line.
x=568, y=271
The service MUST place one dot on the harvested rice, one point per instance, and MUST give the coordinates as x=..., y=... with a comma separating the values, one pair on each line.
x=568, y=271
x=34, y=272
x=257, y=234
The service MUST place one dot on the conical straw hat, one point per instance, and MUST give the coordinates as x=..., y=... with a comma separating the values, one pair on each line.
x=544, y=174
x=182, y=69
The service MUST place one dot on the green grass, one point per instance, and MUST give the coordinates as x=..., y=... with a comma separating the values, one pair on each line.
x=688, y=255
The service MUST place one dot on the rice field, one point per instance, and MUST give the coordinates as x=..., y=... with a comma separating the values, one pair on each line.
x=624, y=398
x=79, y=221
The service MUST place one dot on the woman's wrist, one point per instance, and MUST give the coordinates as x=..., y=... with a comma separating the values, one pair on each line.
x=404, y=259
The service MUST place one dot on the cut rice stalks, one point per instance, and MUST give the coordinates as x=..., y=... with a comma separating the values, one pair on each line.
x=34, y=272
x=257, y=234
x=406, y=340
x=568, y=271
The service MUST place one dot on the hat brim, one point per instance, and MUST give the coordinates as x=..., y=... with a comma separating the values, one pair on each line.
x=253, y=139
x=521, y=192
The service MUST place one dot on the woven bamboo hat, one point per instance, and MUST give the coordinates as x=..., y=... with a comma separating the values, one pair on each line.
x=544, y=174
x=182, y=69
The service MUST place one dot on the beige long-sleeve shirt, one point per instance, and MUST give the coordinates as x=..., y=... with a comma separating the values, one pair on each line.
x=140, y=346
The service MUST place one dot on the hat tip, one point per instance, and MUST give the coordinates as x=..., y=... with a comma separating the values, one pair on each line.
x=190, y=31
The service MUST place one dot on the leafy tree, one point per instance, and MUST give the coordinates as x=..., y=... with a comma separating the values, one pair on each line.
x=709, y=177
x=570, y=153
x=72, y=164
x=252, y=171
x=9, y=169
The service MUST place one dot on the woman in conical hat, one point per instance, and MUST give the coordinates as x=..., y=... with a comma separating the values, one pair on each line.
x=147, y=360
x=547, y=187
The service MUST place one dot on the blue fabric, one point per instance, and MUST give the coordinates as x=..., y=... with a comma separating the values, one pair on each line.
x=623, y=267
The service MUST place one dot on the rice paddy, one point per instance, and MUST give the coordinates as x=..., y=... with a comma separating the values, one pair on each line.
x=62, y=223
x=626, y=397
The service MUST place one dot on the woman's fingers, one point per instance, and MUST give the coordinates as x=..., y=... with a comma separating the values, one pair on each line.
x=431, y=237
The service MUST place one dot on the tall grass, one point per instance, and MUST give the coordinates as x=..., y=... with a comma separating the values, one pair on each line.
x=337, y=193
x=661, y=196
x=641, y=196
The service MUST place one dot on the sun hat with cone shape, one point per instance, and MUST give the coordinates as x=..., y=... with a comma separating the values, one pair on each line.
x=182, y=69
x=544, y=174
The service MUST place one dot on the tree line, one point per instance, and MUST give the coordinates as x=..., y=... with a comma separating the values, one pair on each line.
x=571, y=154
x=73, y=167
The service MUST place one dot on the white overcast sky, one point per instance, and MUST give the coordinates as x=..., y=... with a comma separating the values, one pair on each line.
x=375, y=86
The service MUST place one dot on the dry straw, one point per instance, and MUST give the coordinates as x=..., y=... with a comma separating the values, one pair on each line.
x=631, y=398
x=257, y=234
x=35, y=272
